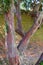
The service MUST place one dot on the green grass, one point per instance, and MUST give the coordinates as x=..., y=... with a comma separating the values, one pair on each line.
x=41, y=63
x=27, y=22
x=2, y=20
x=2, y=23
x=38, y=36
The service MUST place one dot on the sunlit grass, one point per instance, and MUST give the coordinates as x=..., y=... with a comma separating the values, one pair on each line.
x=2, y=24
x=38, y=36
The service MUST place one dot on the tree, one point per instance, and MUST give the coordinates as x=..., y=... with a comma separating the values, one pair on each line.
x=8, y=11
x=18, y=15
x=12, y=53
x=24, y=42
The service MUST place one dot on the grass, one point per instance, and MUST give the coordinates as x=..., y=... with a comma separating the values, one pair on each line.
x=38, y=36
x=27, y=22
x=2, y=33
x=41, y=63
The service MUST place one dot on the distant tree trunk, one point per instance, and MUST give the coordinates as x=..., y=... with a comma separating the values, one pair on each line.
x=24, y=42
x=18, y=15
x=12, y=52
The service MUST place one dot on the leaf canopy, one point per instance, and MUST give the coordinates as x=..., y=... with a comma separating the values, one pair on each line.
x=5, y=5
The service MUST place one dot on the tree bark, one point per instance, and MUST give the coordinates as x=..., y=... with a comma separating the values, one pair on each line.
x=18, y=15
x=24, y=42
x=12, y=52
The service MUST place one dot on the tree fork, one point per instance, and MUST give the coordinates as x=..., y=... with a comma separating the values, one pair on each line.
x=24, y=42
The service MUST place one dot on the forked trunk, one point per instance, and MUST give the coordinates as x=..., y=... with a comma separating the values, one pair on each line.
x=24, y=42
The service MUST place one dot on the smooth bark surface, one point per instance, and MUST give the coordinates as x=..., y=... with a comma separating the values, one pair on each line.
x=18, y=15
x=12, y=51
x=24, y=42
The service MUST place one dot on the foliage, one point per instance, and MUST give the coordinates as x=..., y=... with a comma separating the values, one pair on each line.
x=5, y=5
x=41, y=63
x=40, y=9
x=15, y=1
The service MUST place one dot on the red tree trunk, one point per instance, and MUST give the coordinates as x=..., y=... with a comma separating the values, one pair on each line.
x=19, y=21
x=12, y=52
x=24, y=42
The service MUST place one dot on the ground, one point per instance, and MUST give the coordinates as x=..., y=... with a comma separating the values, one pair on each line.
x=35, y=47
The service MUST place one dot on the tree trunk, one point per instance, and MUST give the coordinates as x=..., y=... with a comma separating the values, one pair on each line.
x=12, y=52
x=24, y=42
x=18, y=15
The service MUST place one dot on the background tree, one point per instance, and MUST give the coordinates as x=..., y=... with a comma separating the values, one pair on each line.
x=18, y=15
